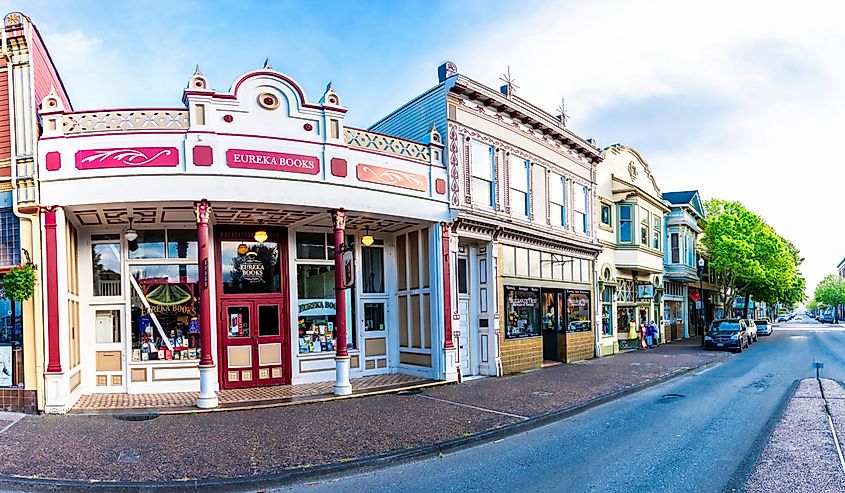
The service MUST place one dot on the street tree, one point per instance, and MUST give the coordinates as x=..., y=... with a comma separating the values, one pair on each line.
x=831, y=292
x=748, y=256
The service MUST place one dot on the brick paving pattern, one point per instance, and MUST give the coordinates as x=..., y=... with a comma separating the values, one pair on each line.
x=262, y=441
x=104, y=402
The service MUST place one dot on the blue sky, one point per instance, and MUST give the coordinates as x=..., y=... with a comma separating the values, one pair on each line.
x=739, y=100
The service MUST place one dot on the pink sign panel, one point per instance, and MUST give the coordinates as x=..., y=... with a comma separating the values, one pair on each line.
x=131, y=157
x=392, y=177
x=272, y=161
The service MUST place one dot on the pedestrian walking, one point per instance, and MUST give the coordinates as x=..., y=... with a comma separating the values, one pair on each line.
x=651, y=335
x=642, y=334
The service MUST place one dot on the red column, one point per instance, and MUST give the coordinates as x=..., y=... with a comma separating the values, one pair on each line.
x=447, y=288
x=54, y=361
x=339, y=223
x=203, y=213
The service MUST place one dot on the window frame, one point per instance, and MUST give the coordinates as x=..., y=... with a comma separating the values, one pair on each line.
x=473, y=167
x=631, y=221
x=561, y=206
x=515, y=161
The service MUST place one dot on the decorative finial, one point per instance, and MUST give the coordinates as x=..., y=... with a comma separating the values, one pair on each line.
x=562, y=116
x=197, y=70
x=267, y=64
x=329, y=87
x=510, y=83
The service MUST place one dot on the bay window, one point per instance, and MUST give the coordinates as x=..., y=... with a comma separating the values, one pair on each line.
x=674, y=245
x=643, y=227
x=626, y=213
x=657, y=228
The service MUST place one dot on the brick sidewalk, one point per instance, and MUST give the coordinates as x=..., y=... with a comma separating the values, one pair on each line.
x=265, y=441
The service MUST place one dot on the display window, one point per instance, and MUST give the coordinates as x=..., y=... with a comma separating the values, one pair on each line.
x=107, y=267
x=522, y=305
x=11, y=343
x=164, y=302
x=578, y=317
x=315, y=282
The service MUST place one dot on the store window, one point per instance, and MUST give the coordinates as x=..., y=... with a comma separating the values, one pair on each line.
x=481, y=171
x=522, y=305
x=626, y=223
x=10, y=237
x=149, y=244
x=106, y=261
x=11, y=343
x=578, y=311
x=164, y=303
x=250, y=267
x=607, y=310
x=557, y=199
x=624, y=318
x=520, y=183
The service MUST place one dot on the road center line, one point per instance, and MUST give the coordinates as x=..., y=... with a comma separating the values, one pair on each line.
x=472, y=407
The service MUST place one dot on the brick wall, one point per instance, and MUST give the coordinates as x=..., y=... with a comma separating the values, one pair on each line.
x=18, y=401
x=579, y=346
x=520, y=354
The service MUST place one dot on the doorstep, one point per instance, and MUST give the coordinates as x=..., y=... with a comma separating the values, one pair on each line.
x=242, y=399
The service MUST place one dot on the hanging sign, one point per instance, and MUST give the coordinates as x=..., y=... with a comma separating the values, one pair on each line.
x=347, y=272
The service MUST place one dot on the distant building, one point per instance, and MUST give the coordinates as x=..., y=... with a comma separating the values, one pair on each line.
x=680, y=264
x=841, y=268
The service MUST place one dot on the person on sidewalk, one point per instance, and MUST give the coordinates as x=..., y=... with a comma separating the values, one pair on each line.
x=651, y=335
x=642, y=333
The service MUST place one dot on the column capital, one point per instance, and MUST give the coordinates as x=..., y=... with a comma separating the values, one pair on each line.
x=338, y=218
x=203, y=211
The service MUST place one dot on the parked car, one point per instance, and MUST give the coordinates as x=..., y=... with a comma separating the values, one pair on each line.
x=782, y=317
x=730, y=333
x=826, y=318
x=751, y=327
x=764, y=327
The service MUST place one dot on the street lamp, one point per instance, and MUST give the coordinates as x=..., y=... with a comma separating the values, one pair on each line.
x=701, y=297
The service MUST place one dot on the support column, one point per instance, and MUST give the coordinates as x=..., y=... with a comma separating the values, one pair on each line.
x=452, y=372
x=341, y=385
x=54, y=361
x=207, y=397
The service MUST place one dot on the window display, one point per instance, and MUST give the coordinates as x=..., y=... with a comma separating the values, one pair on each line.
x=164, y=302
x=522, y=306
x=316, y=320
x=578, y=311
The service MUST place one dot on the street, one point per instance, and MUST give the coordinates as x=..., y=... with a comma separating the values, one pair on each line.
x=689, y=434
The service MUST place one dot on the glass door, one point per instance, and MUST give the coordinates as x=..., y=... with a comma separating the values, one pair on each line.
x=109, y=362
x=254, y=343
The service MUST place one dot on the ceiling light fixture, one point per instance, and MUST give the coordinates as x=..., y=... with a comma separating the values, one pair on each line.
x=367, y=239
x=130, y=234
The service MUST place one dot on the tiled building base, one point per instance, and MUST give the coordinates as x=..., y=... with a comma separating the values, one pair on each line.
x=241, y=397
x=18, y=401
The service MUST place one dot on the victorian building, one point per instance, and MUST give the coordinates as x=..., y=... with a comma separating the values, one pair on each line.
x=522, y=222
x=680, y=264
x=27, y=74
x=243, y=238
x=631, y=231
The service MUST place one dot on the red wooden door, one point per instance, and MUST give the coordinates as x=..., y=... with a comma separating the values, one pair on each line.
x=254, y=343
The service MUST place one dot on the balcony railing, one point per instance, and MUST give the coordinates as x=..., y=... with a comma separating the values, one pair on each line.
x=386, y=144
x=174, y=120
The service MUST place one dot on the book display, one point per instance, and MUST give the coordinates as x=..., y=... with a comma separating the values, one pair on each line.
x=316, y=334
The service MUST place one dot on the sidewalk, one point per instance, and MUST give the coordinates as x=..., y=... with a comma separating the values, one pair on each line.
x=802, y=454
x=285, y=440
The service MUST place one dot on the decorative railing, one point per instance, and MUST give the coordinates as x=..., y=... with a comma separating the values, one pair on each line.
x=125, y=120
x=384, y=143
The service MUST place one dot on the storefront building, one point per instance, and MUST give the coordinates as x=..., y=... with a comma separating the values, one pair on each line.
x=26, y=75
x=631, y=230
x=193, y=248
x=523, y=242
x=680, y=262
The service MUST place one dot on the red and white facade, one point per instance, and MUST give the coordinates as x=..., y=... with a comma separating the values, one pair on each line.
x=153, y=222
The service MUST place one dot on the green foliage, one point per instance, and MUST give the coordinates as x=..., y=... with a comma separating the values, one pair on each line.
x=749, y=257
x=19, y=283
x=830, y=291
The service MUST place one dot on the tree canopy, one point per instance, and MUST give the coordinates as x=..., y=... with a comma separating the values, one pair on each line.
x=830, y=292
x=749, y=257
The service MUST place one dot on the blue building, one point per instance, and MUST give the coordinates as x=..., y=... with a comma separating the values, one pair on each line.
x=680, y=263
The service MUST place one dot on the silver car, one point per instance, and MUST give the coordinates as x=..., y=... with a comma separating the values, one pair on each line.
x=764, y=327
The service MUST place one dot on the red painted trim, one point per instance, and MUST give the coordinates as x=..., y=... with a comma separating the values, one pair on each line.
x=338, y=166
x=54, y=364
x=203, y=156
x=53, y=161
x=392, y=177
x=203, y=211
x=340, y=293
x=440, y=186
x=447, y=288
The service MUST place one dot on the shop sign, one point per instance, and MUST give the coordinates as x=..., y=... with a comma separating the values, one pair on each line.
x=347, y=269
x=132, y=157
x=272, y=161
x=392, y=177
x=645, y=290
x=316, y=308
x=252, y=270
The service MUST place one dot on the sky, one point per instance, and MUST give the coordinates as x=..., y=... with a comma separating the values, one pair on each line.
x=739, y=100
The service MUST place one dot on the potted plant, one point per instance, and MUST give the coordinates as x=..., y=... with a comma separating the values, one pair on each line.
x=19, y=283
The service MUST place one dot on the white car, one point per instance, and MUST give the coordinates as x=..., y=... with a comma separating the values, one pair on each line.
x=752, y=331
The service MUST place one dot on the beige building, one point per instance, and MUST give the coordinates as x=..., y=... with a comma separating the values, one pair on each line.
x=630, y=266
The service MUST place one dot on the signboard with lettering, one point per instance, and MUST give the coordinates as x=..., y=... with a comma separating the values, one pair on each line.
x=272, y=161
x=348, y=266
x=134, y=157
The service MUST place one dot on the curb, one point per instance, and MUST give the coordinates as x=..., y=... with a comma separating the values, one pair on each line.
x=363, y=464
x=737, y=481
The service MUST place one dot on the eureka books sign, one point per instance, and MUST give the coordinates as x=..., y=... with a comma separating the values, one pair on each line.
x=272, y=161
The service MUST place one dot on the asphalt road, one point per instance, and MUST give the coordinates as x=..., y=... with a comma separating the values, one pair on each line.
x=690, y=434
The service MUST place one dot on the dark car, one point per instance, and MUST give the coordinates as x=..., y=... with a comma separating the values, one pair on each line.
x=764, y=327
x=730, y=333
x=826, y=318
